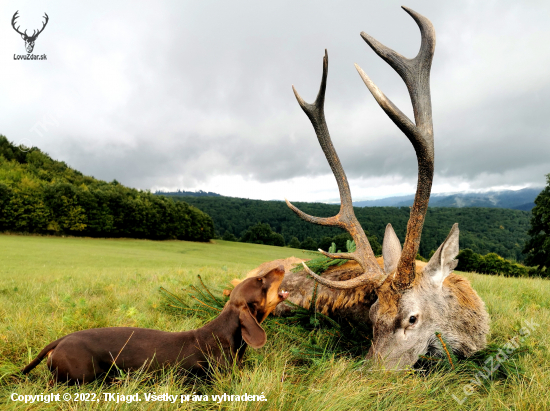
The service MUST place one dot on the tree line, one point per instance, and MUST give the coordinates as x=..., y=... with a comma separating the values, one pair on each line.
x=538, y=246
x=493, y=264
x=262, y=233
x=483, y=230
x=468, y=260
x=45, y=196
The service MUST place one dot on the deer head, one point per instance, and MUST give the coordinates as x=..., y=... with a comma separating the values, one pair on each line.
x=412, y=306
x=29, y=40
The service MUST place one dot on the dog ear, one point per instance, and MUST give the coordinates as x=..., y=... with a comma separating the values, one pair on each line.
x=253, y=334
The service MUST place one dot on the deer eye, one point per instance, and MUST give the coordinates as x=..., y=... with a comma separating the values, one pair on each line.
x=412, y=319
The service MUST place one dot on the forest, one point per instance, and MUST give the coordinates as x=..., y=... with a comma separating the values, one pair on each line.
x=483, y=230
x=494, y=264
x=44, y=196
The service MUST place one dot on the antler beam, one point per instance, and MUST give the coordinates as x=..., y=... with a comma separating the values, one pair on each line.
x=15, y=17
x=43, y=25
x=416, y=75
x=345, y=218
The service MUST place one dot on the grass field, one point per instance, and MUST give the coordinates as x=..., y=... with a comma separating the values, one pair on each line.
x=50, y=287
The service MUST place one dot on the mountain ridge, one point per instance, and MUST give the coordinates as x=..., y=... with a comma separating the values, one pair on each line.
x=523, y=199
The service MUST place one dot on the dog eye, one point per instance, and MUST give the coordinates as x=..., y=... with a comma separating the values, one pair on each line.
x=412, y=319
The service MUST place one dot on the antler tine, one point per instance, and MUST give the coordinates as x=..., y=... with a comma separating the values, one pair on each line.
x=345, y=218
x=44, y=24
x=15, y=17
x=310, y=218
x=371, y=276
x=416, y=75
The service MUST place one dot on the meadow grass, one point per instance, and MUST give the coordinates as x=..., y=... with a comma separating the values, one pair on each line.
x=52, y=286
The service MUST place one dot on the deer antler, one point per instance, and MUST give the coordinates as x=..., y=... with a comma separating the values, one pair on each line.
x=43, y=26
x=345, y=218
x=15, y=16
x=34, y=33
x=416, y=75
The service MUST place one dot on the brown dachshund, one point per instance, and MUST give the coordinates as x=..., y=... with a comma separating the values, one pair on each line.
x=83, y=356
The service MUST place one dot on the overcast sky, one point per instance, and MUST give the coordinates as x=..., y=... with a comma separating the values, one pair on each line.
x=197, y=94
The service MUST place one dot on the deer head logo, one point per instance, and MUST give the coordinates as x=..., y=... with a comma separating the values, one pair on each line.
x=29, y=40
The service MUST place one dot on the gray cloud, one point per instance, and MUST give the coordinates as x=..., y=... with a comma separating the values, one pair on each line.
x=174, y=94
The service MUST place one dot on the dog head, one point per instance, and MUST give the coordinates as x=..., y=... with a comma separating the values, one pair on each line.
x=255, y=298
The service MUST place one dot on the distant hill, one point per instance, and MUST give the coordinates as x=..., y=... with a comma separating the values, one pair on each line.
x=387, y=201
x=514, y=199
x=41, y=195
x=199, y=193
x=525, y=207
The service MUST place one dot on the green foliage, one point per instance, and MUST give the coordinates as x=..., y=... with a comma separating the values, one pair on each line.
x=491, y=263
x=44, y=196
x=420, y=258
x=484, y=230
x=487, y=366
x=294, y=243
x=321, y=263
x=325, y=242
x=208, y=306
x=468, y=261
x=538, y=246
x=229, y=236
x=449, y=358
x=261, y=233
x=309, y=244
x=343, y=240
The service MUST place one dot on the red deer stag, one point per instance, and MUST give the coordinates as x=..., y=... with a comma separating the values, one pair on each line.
x=405, y=306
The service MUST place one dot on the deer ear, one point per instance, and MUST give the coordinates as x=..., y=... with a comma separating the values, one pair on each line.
x=443, y=261
x=391, y=250
x=253, y=334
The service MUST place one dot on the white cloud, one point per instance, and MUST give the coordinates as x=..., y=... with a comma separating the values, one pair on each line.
x=197, y=95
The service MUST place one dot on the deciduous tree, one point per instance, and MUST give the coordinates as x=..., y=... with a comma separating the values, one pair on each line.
x=537, y=247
